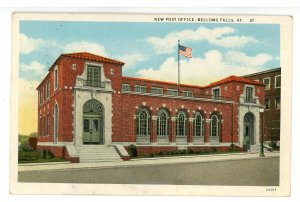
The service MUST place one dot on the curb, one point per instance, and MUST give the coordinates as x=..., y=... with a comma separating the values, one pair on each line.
x=144, y=162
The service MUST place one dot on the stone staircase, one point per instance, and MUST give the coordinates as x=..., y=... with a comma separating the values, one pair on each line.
x=97, y=153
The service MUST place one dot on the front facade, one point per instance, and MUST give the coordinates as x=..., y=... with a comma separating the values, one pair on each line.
x=272, y=80
x=84, y=101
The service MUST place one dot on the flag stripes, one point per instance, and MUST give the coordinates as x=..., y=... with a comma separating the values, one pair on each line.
x=185, y=51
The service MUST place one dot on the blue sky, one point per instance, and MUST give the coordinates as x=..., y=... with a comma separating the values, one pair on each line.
x=149, y=49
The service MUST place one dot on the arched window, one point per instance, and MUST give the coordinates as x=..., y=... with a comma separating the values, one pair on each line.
x=55, y=124
x=181, y=123
x=162, y=122
x=92, y=107
x=198, y=125
x=214, y=126
x=143, y=122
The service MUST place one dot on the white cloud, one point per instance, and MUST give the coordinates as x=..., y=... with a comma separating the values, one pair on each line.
x=85, y=46
x=27, y=89
x=217, y=36
x=131, y=60
x=239, y=58
x=29, y=45
x=34, y=67
x=201, y=71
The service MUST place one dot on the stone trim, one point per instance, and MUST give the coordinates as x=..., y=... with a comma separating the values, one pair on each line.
x=178, y=97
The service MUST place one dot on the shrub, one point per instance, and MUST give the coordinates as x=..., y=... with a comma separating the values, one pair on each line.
x=25, y=147
x=28, y=156
x=274, y=145
x=190, y=151
x=213, y=149
x=232, y=148
x=132, y=150
x=47, y=154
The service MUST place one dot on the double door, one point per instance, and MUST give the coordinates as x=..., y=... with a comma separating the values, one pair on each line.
x=93, y=130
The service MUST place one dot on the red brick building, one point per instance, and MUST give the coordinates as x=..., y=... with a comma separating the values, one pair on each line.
x=85, y=104
x=272, y=80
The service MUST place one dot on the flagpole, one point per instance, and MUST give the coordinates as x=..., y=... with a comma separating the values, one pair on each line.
x=178, y=68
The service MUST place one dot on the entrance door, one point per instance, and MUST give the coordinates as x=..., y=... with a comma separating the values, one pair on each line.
x=249, y=130
x=92, y=130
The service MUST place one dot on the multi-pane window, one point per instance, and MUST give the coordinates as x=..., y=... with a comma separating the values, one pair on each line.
x=55, y=125
x=181, y=124
x=45, y=92
x=267, y=103
x=188, y=93
x=266, y=81
x=40, y=126
x=125, y=87
x=46, y=126
x=216, y=93
x=41, y=96
x=172, y=91
x=93, y=76
x=143, y=123
x=198, y=124
x=157, y=90
x=140, y=89
x=277, y=102
x=48, y=90
x=162, y=123
x=214, y=126
x=55, y=79
x=249, y=94
x=278, y=81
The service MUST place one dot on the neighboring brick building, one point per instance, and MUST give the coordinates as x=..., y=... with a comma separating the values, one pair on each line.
x=272, y=80
x=85, y=101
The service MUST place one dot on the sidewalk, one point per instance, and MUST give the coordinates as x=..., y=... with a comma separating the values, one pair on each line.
x=144, y=161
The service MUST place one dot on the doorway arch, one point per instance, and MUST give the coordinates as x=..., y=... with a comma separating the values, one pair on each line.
x=249, y=138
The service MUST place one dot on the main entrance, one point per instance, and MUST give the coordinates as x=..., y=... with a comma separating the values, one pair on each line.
x=249, y=130
x=93, y=132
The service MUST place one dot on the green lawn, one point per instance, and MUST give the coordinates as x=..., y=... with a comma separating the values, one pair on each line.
x=42, y=160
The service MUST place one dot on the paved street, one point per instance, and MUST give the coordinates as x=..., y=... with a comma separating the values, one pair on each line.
x=251, y=172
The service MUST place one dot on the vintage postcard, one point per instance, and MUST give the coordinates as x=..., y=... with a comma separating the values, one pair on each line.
x=151, y=104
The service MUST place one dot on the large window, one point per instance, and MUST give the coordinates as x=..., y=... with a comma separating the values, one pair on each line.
x=125, y=87
x=94, y=77
x=181, y=123
x=216, y=93
x=162, y=122
x=267, y=82
x=267, y=103
x=214, y=126
x=55, y=79
x=140, y=89
x=278, y=81
x=188, y=93
x=277, y=102
x=157, y=90
x=249, y=94
x=48, y=90
x=143, y=122
x=198, y=125
x=55, y=124
x=172, y=91
x=41, y=96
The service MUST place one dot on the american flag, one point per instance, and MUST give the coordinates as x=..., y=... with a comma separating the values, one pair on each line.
x=185, y=51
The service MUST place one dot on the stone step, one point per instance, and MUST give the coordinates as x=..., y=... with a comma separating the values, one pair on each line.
x=97, y=153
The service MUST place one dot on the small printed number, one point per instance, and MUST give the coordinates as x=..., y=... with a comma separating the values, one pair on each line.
x=270, y=189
